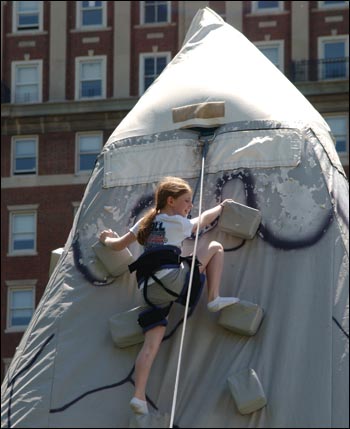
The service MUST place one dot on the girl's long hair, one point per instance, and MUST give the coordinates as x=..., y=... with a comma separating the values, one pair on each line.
x=168, y=187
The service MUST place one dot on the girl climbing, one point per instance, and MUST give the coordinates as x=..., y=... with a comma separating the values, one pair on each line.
x=162, y=271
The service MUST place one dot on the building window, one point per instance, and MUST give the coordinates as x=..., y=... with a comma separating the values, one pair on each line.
x=151, y=66
x=91, y=14
x=26, y=81
x=332, y=4
x=24, y=155
x=90, y=78
x=27, y=16
x=333, y=53
x=274, y=51
x=22, y=233
x=21, y=305
x=339, y=128
x=267, y=6
x=89, y=145
x=155, y=12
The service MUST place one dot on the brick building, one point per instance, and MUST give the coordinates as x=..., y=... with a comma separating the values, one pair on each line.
x=71, y=70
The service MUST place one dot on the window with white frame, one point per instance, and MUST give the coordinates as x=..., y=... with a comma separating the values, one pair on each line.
x=89, y=145
x=151, y=66
x=155, y=12
x=24, y=155
x=332, y=4
x=90, y=78
x=21, y=305
x=339, y=128
x=26, y=81
x=91, y=14
x=334, y=54
x=274, y=51
x=27, y=16
x=267, y=6
x=22, y=232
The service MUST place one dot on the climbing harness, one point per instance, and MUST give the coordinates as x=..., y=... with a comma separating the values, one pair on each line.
x=153, y=260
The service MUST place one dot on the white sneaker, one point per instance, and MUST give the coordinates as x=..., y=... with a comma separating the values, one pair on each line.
x=138, y=406
x=221, y=302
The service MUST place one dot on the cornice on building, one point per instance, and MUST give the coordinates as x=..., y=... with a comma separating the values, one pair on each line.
x=67, y=107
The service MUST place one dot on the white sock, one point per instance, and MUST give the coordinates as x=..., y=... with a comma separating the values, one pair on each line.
x=138, y=406
x=221, y=302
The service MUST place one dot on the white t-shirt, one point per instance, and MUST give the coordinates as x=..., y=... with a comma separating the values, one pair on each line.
x=166, y=230
x=169, y=230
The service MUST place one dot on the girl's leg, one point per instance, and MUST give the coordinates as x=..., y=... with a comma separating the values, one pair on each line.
x=145, y=359
x=211, y=255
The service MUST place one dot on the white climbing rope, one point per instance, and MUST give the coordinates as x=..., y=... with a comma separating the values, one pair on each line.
x=189, y=290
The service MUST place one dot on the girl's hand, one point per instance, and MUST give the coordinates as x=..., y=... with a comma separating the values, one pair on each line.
x=228, y=200
x=107, y=233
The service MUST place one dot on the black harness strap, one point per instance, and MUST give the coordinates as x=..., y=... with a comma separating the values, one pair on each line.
x=158, y=258
x=146, y=266
x=155, y=316
x=170, y=292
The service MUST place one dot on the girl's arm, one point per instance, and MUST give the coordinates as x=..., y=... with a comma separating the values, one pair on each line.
x=109, y=239
x=210, y=215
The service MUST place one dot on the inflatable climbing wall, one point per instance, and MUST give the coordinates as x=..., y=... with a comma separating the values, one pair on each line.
x=280, y=357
